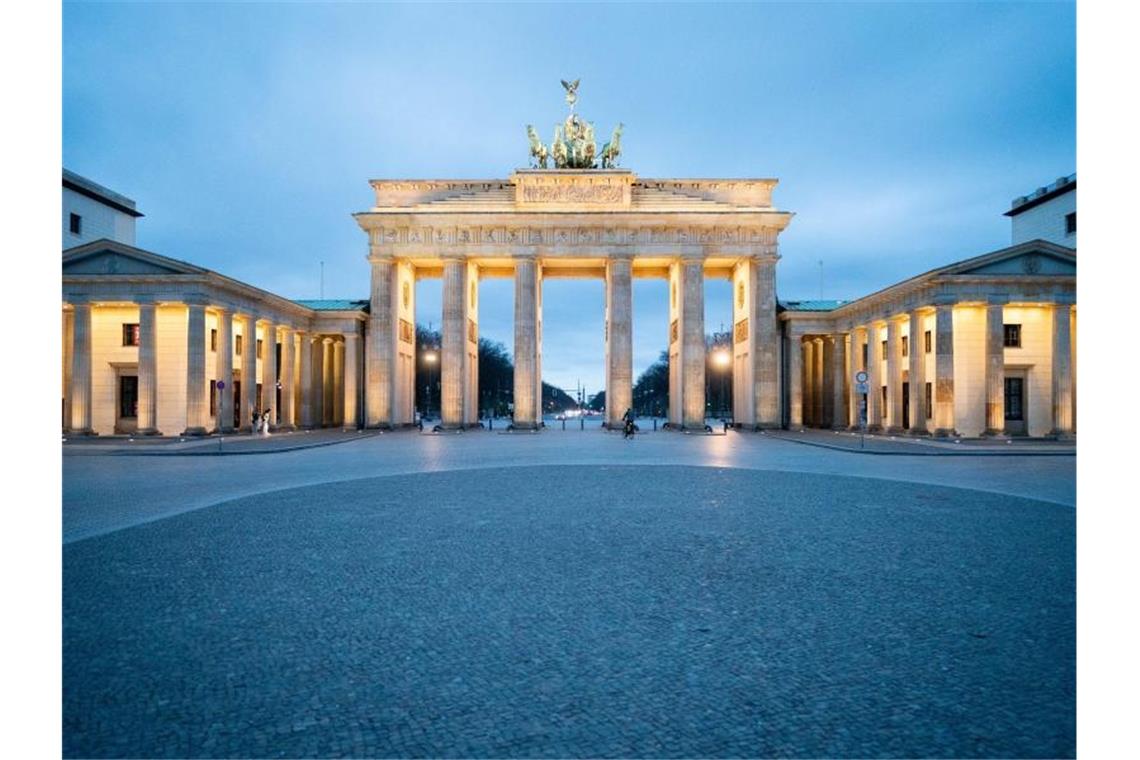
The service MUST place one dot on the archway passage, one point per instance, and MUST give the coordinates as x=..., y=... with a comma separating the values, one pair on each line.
x=573, y=363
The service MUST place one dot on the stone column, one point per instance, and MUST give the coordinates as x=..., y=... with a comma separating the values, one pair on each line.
x=454, y=340
x=351, y=380
x=619, y=340
x=224, y=369
x=1062, y=372
x=306, y=348
x=807, y=382
x=765, y=337
x=81, y=370
x=148, y=370
x=944, y=370
x=68, y=340
x=855, y=342
x=796, y=350
x=692, y=344
x=817, y=384
x=527, y=393
x=995, y=370
x=269, y=373
x=380, y=349
x=197, y=405
x=249, y=400
x=917, y=379
x=874, y=379
x=288, y=409
x=838, y=379
x=894, y=378
x=328, y=383
x=316, y=349
x=338, y=383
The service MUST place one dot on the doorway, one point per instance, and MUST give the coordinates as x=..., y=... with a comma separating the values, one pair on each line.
x=906, y=406
x=1015, y=395
x=127, y=408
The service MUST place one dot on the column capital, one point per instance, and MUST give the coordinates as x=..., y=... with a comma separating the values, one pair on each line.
x=997, y=299
x=350, y=336
x=145, y=299
x=326, y=340
x=77, y=299
x=196, y=299
x=377, y=254
x=689, y=259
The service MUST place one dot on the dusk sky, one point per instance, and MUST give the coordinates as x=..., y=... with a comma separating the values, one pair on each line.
x=247, y=133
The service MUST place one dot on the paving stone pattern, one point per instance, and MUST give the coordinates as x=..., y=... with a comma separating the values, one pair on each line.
x=565, y=611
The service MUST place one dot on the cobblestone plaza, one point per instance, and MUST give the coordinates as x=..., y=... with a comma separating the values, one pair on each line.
x=413, y=595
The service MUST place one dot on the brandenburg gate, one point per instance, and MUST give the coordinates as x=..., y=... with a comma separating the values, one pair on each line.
x=572, y=220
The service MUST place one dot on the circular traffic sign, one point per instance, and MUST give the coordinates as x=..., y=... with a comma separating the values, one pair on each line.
x=861, y=376
x=221, y=384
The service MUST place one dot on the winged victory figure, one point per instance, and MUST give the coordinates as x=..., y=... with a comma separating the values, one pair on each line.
x=571, y=92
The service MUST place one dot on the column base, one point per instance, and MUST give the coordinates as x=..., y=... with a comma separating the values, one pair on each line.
x=1062, y=435
x=895, y=430
x=918, y=432
x=875, y=429
x=767, y=426
x=282, y=428
x=82, y=433
x=524, y=426
x=195, y=431
x=945, y=433
x=148, y=432
x=997, y=435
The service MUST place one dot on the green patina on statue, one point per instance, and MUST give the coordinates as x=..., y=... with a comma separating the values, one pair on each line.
x=574, y=145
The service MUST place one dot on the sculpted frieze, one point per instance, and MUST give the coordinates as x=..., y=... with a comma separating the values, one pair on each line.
x=560, y=193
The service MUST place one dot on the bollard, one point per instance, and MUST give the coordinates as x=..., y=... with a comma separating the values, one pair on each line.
x=654, y=424
x=582, y=423
x=563, y=423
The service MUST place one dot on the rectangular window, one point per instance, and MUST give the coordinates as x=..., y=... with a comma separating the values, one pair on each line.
x=906, y=345
x=883, y=408
x=213, y=398
x=928, y=341
x=1071, y=223
x=865, y=346
x=237, y=345
x=130, y=334
x=76, y=224
x=1012, y=336
x=213, y=340
x=258, y=348
x=884, y=356
x=929, y=405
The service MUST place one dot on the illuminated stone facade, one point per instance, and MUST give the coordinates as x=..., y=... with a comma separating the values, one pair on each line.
x=151, y=344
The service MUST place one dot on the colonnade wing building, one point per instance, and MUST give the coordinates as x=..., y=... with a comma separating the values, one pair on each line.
x=983, y=346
